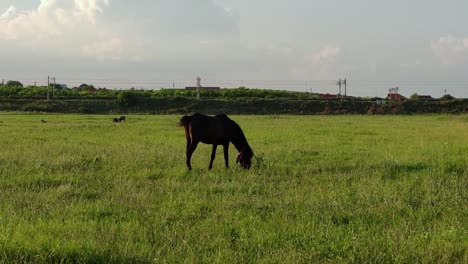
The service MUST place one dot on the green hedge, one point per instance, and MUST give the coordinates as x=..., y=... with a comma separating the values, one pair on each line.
x=182, y=105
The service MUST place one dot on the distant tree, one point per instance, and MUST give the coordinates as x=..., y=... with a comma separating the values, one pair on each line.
x=414, y=96
x=58, y=86
x=127, y=99
x=447, y=97
x=14, y=84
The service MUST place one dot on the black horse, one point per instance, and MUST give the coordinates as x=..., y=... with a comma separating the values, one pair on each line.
x=216, y=130
x=120, y=119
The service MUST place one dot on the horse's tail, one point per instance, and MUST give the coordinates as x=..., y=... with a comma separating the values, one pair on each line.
x=185, y=121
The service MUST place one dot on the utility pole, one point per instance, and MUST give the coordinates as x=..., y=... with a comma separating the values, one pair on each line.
x=345, y=88
x=339, y=85
x=48, y=87
x=53, y=89
x=198, y=87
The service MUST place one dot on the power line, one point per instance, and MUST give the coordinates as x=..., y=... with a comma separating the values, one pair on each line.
x=360, y=86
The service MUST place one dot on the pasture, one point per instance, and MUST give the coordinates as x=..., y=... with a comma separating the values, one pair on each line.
x=380, y=189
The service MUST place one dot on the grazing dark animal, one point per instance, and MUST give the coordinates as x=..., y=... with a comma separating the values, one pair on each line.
x=120, y=119
x=43, y=121
x=216, y=130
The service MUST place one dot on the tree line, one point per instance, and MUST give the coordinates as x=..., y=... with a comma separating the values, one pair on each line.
x=16, y=89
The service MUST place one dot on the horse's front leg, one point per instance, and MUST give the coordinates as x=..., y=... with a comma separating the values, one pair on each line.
x=190, y=150
x=213, y=156
x=226, y=154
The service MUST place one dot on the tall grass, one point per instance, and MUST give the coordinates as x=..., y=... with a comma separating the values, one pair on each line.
x=382, y=189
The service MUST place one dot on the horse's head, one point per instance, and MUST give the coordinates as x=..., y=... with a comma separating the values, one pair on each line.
x=244, y=158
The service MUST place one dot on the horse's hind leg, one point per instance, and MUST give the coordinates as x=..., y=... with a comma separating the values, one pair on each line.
x=188, y=137
x=189, y=143
x=226, y=154
x=190, y=150
x=213, y=156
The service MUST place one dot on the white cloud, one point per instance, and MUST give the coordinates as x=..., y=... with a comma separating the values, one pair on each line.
x=324, y=63
x=118, y=29
x=46, y=5
x=33, y=24
x=326, y=55
x=450, y=50
x=411, y=65
x=321, y=64
x=89, y=8
x=107, y=49
x=273, y=49
x=48, y=19
x=10, y=12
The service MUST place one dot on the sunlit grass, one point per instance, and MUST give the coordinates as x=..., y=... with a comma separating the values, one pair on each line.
x=322, y=189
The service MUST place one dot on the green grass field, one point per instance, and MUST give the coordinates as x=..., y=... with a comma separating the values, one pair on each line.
x=379, y=189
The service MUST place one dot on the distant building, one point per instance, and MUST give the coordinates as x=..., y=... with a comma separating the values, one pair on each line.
x=425, y=97
x=203, y=88
x=328, y=96
x=86, y=88
x=380, y=101
x=395, y=97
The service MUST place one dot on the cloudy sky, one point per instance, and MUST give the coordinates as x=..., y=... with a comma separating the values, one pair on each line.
x=419, y=45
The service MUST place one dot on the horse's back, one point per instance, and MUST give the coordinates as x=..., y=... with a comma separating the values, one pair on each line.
x=201, y=120
x=207, y=129
x=222, y=117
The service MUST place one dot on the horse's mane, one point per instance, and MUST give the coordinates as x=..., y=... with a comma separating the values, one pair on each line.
x=240, y=133
x=239, y=140
x=235, y=131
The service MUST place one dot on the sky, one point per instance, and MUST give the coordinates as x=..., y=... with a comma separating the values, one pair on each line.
x=419, y=45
